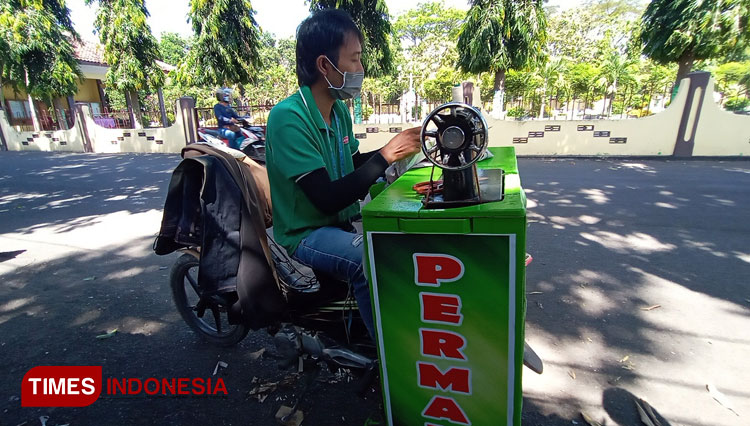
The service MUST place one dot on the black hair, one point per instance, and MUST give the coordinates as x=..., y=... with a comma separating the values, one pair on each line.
x=322, y=33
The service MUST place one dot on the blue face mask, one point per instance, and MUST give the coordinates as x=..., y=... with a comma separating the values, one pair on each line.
x=351, y=86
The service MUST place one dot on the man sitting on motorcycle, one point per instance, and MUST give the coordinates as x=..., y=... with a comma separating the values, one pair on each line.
x=316, y=172
x=226, y=117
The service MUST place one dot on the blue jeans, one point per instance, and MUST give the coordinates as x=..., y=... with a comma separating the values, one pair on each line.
x=339, y=253
x=234, y=138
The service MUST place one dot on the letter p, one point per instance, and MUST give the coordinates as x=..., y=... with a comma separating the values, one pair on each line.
x=432, y=269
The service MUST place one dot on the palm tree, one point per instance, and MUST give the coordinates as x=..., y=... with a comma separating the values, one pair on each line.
x=615, y=70
x=499, y=35
x=552, y=77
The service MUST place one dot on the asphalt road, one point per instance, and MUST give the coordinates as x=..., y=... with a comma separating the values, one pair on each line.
x=612, y=239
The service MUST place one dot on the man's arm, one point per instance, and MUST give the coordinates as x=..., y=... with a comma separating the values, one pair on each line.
x=329, y=196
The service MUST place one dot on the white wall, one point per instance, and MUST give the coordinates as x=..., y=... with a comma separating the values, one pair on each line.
x=59, y=140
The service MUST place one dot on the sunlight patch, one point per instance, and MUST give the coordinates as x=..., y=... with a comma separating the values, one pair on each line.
x=637, y=242
x=15, y=304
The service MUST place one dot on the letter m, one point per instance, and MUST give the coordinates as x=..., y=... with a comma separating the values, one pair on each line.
x=455, y=379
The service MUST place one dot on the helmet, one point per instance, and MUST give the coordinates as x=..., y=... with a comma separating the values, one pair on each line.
x=224, y=94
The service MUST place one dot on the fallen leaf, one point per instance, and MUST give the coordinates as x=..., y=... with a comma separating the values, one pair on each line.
x=108, y=335
x=295, y=419
x=89, y=278
x=257, y=354
x=535, y=292
x=589, y=420
x=572, y=374
x=651, y=308
x=625, y=358
x=589, y=339
x=720, y=398
x=645, y=419
x=540, y=305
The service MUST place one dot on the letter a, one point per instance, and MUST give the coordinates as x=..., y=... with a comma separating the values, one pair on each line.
x=433, y=269
x=440, y=408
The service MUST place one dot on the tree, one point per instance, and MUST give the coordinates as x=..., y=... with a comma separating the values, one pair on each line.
x=371, y=16
x=130, y=50
x=225, y=46
x=616, y=70
x=429, y=34
x=173, y=47
x=276, y=77
x=38, y=55
x=499, y=35
x=684, y=31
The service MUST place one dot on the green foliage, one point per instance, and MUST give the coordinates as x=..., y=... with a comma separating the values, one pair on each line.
x=276, y=78
x=129, y=47
x=439, y=88
x=35, y=38
x=173, y=47
x=371, y=16
x=737, y=104
x=430, y=32
x=502, y=34
x=685, y=30
x=225, y=45
x=517, y=112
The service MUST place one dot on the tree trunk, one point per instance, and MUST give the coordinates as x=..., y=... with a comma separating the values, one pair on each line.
x=498, y=102
x=32, y=109
x=685, y=65
x=134, y=109
x=541, y=101
x=162, y=109
x=2, y=96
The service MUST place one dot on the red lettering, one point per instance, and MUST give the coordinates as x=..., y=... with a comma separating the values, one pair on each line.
x=198, y=388
x=220, y=387
x=433, y=269
x=121, y=386
x=443, y=344
x=442, y=308
x=156, y=386
x=167, y=384
x=182, y=384
x=130, y=386
x=454, y=380
x=445, y=408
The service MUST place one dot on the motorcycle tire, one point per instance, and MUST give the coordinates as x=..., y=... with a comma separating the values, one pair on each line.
x=183, y=281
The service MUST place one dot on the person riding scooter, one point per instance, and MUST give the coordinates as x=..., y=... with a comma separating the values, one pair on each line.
x=316, y=172
x=226, y=118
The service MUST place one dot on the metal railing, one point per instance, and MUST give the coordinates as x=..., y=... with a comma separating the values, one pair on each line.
x=257, y=115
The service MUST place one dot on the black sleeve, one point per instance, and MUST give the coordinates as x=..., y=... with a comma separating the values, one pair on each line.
x=330, y=197
x=359, y=158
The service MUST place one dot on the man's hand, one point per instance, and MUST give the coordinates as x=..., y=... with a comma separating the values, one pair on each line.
x=402, y=145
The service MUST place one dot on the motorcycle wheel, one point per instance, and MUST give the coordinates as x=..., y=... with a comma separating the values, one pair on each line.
x=214, y=325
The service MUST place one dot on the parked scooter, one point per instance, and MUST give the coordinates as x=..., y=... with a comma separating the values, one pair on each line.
x=253, y=144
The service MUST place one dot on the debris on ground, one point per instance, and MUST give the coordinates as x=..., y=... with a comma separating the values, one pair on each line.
x=92, y=278
x=535, y=292
x=572, y=374
x=651, y=308
x=720, y=398
x=293, y=419
x=43, y=420
x=257, y=354
x=262, y=390
x=107, y=335
x=588, y=419
x=627, y=364
x=220, y=364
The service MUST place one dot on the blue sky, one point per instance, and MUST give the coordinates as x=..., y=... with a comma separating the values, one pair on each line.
x=280, y=17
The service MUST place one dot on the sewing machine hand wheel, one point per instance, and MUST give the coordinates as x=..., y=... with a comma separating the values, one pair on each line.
x=454, y=136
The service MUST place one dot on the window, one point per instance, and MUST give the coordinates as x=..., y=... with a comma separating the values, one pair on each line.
x=19, y=109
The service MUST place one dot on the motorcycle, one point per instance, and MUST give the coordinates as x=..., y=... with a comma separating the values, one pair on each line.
x=253, y=144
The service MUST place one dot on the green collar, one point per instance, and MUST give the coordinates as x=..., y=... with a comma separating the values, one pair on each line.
x=311, y=105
